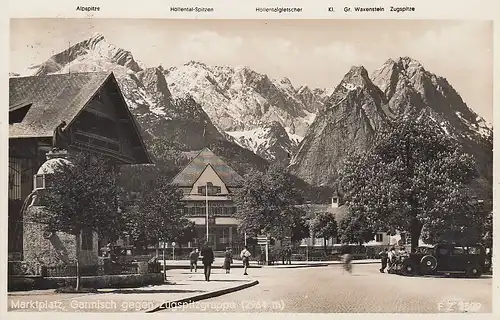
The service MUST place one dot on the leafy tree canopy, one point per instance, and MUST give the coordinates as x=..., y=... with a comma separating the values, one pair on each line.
x=324, y=225
x=82, y=195
x=268, y=203
x=353, y=229
x=414, y=179
x=156, y=213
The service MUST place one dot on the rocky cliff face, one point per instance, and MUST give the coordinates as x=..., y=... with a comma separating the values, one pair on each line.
x=360, y=105
x=347, y=124
x=236, y=101
x=243, y=103
x=270, y=141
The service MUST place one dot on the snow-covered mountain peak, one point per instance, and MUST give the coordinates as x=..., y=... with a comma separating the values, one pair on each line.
x=91, y=54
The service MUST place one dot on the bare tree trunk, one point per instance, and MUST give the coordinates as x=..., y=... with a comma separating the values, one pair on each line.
x=324, y=243
x=78, y=276
x=415, y=232
x=164, y=263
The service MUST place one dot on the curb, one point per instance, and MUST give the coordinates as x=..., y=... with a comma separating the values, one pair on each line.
x=302, y=266
x=182, y=267
x=208, y=295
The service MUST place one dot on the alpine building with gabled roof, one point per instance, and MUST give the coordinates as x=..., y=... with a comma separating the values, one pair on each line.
x=81, y=112
x=207, y=179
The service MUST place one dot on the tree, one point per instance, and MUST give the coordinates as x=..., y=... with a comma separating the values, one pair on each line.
x=167, y=154
x=82, y=196
x=487, y=234
x=354, y=229
x=414, y=179
x=157, y=214
x=300, y=229
x=188, y=233
x=324, y=226
x=267, y=203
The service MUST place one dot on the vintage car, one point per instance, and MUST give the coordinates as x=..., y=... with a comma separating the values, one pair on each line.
x=443, y=258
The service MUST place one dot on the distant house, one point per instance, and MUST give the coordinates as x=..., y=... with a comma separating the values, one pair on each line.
x=339, y=210
x=383, y=239
x=335, y=208
x=208, y=181
x=97, y=120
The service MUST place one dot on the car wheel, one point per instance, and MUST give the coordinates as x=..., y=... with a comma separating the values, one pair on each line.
x=474, y=271
x=407, y=269
x=428, y=264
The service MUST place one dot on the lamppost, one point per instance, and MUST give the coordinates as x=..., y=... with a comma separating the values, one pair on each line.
x=206, y=206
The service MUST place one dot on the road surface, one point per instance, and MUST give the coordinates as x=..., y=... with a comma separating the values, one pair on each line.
x=330, y=290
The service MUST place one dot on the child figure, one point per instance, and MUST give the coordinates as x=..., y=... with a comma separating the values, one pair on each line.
x=228, y=259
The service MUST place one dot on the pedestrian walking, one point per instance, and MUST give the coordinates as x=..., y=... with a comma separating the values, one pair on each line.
x=403, y=252
x=207, y=259
x=347, y=262
x=384, y=256
x=193, y=260
x=289, y=256
x=392, y=257
x=228, y=259
x=245, y=257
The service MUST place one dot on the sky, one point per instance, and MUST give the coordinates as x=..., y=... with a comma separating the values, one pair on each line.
x=316, y=53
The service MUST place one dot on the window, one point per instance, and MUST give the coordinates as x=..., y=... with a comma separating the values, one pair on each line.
x=224, y=235
x=212, y=190
x=87, y=239
x=318, y=241
x=92, y=123
x=379, y=237
x=39, y=181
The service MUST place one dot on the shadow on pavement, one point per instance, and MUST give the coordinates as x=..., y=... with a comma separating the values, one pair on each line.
x=220, y=280
x=135, y=291
x=443, y=276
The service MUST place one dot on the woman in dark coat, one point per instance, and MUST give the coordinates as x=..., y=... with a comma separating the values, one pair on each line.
x=228, y=259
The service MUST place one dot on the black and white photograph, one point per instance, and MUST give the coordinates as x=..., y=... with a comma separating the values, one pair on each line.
x=250, y=166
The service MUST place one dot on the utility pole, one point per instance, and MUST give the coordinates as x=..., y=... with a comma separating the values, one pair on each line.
x=267, y=249
x=206, y=206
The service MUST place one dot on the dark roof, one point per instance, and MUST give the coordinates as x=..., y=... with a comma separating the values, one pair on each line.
x=188, y=176
x=314, y=209
x=53, y=98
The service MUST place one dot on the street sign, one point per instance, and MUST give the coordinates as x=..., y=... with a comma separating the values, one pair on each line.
x=262, y=240
x=173, y=244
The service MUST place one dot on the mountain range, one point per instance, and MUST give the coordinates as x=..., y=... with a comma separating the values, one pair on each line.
x=362, y=104
x=252, y=119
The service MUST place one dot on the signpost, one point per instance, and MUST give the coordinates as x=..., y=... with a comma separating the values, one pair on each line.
x=206, y=208
x=173, y=250
x=264, y=240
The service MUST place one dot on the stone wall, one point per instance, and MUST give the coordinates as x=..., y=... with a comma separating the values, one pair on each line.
x=98, y=282
x=52, y=248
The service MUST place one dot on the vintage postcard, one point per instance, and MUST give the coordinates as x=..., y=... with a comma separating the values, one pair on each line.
x=255, y=158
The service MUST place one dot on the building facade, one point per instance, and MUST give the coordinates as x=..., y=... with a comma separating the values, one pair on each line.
x=337, y=209
x=80, y=112
x=208, y=185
